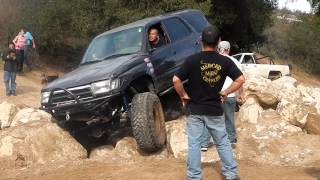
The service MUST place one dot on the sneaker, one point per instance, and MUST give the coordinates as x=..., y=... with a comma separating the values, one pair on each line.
x=236, y=178
x=234, y=141
x=14, y=93
x=8, y=94
x=204, y=149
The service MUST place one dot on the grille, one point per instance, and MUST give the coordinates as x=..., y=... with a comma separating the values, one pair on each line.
x=82, y=93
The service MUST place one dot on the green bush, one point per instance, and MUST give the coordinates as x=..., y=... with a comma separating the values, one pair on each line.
x=298, y=42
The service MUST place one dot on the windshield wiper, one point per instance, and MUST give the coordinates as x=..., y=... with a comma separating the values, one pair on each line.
x=91, y=62
x=115, y=55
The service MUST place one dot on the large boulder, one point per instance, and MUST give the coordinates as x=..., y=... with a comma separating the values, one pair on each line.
x=250, y=111
x=39, y=142
x=313, y=124
x=7, y=113
x=296, y=114
x=177, y=142
x=126, y=150
x=311, y=96
x=282, y=88
x=29, y=115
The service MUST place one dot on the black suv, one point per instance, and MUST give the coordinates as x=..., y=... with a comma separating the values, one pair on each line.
x=120, y=77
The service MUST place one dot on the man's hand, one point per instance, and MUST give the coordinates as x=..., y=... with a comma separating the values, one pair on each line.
x=178, y=86
x=223, y=96
x=185, y=99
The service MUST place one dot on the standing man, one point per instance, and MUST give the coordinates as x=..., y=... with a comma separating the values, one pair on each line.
x=29, y=43
x=206, y=72
x=10, y=69
x=229, y=104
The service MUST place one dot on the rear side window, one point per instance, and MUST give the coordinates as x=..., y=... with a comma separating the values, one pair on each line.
x=176, y=29
x=197, y=20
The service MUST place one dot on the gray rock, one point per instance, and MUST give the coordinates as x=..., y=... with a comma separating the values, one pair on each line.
x=250, y=111
x=29, y=115
x=39, y=142
x=7, y=113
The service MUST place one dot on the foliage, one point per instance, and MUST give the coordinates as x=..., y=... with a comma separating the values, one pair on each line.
x=298, y=42
x=61, y=25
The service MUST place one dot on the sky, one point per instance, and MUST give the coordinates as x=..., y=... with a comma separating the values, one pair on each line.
x=293, y=5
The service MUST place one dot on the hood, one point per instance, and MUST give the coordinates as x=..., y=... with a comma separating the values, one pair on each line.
x=88, y=73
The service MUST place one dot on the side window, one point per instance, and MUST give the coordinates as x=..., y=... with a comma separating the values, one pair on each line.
x=156, y=37
x=176, y=29
x=237, y=57
x=197, y=20
x=248, y=60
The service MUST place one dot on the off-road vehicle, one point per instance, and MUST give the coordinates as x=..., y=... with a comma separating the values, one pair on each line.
x=262, y=66
x=120, y=77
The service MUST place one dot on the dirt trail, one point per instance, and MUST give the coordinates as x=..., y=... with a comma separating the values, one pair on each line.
x=170, y=169
x=28, y=89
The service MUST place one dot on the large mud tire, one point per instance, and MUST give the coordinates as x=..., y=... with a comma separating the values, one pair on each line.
x=148, y=124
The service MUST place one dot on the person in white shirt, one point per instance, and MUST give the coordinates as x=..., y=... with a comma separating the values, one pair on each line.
x=229, y=104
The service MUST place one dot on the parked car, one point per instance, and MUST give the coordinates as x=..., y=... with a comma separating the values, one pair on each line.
x=250, y=64
x=120, y=77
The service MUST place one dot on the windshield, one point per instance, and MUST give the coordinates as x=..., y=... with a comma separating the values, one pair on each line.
x=123, y=42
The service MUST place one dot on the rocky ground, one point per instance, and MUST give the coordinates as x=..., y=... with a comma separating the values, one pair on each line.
x=278, y=138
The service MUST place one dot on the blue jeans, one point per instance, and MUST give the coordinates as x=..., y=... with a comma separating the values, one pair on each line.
x=10, y=81
x=229, y=108
x=25, y=56
x=216, y=128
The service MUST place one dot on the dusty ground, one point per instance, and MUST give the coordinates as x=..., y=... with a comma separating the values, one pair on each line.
x=28, y=90
x=164, y=169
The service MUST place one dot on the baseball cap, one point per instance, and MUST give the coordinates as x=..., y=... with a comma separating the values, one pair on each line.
x=224, y=45
x=210, y=35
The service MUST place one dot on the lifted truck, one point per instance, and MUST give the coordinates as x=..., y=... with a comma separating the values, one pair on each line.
x=250, y=64
x=120, y=77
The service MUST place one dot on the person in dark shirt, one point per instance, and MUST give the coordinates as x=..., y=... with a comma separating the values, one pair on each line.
x=10, y=69
x=154, y=39
x=202, y=99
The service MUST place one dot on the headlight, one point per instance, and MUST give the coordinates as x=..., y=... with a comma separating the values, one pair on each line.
x=104, y=86
x=45, y=97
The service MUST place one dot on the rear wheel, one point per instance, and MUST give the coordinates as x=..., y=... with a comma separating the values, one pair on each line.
x=148, y=124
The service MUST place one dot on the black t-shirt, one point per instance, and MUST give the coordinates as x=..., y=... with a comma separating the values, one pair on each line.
x=206, y=72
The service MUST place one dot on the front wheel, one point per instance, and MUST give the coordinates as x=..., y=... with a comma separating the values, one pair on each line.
x=148, y=124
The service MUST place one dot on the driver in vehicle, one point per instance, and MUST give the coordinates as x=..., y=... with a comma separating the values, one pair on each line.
x=154, y=39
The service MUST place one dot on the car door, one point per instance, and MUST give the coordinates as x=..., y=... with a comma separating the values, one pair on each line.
x=250, y=66
x=183, y=43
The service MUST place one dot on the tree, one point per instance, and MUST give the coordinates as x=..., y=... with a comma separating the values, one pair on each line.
x=242, y=22
x=315, y=4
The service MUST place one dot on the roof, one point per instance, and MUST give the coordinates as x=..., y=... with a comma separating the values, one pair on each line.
x=243, y=54
x=146, y=21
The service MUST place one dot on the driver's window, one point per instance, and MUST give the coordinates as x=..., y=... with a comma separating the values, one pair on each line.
x=156, y=37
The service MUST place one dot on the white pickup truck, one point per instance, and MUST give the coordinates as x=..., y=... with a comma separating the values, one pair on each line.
x=252, y=65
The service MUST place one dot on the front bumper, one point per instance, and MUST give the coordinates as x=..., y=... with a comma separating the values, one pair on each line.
x=76, y=108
